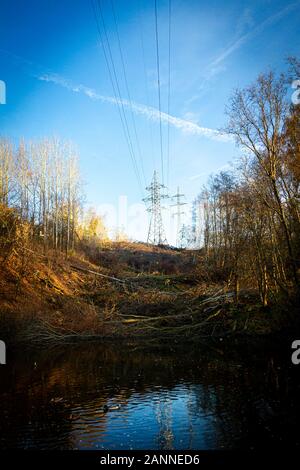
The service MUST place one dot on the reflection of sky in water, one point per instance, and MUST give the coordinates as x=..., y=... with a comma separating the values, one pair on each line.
x=182, y=399
x=163, y=419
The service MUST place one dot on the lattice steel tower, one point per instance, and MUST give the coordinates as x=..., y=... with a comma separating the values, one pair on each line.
x=156, y=233
x=178, y=214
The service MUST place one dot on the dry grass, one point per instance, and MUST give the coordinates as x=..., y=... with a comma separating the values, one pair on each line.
x=157, y=292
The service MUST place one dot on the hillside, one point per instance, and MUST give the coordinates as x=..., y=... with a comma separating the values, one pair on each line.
x=124, y=290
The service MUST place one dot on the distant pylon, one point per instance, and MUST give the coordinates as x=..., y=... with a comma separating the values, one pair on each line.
x=178, y=214
x=156, y=233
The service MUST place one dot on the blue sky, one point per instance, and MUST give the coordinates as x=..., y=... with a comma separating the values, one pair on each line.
x=58, y=83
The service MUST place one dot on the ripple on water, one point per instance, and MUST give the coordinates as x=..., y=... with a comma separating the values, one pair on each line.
x=164, y=400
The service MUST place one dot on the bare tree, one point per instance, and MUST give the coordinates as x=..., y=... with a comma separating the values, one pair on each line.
x=257, y=116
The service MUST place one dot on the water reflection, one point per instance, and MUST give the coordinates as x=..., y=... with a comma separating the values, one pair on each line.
x=103, y=396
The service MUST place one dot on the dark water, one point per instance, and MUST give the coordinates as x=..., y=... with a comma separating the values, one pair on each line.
x=196, y=397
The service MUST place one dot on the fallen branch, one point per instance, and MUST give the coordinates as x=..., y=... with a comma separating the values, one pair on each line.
x=98, y=274
x=123, y=281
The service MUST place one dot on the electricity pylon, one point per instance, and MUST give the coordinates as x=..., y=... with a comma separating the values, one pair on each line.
x=156, y=233
x=178, y=214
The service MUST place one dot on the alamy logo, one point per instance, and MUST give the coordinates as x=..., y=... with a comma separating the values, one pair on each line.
x=2, y=92
x=2, y=352
x=296, y=354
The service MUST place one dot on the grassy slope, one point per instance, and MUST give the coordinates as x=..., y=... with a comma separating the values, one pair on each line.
x=162, y=293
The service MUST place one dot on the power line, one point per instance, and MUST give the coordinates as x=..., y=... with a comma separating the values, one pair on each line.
x=127, y=137
x=116, y=89
x=158, y=86
x=146, y=87
x=127, y=89
x=169, y=93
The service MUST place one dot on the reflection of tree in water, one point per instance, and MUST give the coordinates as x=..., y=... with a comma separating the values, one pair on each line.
x=250, y=407
x=163, y=413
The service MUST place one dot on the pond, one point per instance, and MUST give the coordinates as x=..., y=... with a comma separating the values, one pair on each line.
x=117, y=396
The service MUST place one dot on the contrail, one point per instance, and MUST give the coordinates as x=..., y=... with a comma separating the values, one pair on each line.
x=148, y=111
x=253, y=33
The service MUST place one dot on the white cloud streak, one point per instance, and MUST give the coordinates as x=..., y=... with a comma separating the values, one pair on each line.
x=149, y=112
x=206, y=173
x=253, y=33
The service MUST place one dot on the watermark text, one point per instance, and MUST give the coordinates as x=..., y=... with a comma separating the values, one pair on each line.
x=2, y=352
x=296, y=353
